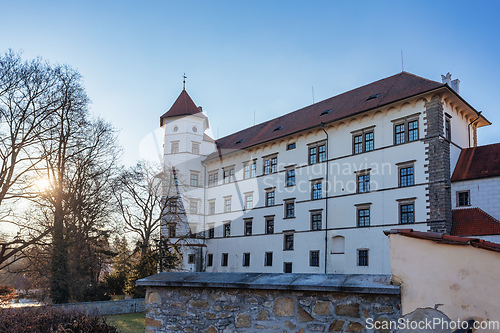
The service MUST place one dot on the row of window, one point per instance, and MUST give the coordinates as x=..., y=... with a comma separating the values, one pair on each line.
x=406, y=216
x=174, y=147
x=363, y=141
x=406, y=178
x=314, y=257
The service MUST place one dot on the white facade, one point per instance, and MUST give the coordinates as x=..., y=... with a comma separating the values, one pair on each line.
x=336, y=241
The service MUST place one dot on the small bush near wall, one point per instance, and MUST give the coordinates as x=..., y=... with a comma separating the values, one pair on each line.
x=47, y=319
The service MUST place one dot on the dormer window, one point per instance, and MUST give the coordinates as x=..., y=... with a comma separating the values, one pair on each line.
x=278, y=128
x=240, y=141
x=373, y=97
x=325, y=112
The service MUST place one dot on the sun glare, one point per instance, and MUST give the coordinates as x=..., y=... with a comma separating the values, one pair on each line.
x=42, y=184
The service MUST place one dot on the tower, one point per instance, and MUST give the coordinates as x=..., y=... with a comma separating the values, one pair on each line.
x=186, y=145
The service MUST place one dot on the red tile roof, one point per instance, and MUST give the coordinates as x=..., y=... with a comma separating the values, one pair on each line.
x=478, y=162
x=446, y=239
x=474, y=222
x=183, y=106
x=388, y=90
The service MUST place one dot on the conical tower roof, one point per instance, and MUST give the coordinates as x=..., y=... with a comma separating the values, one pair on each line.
x=183, y=106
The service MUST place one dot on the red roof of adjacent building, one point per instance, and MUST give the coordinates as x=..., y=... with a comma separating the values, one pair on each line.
x=478, y=162
x=446, y=239
x=362, y=99
x=474, y=222
x=183, y=106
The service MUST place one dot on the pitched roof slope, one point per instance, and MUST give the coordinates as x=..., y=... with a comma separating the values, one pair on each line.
x=183, y=106
x=446, y=239
x=474, y=222
x=388, y=90
x=478, y=162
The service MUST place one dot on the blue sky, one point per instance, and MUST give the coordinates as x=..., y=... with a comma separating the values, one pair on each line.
x=246, y=56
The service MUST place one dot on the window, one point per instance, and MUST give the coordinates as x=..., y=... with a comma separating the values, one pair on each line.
x=287, y=267
x=316, y=190
x=291, y=146
x=289, y=209
x=270, y=165
x=270, y=225
x=248, y=228
x=174, y=147
x=363, y=257
x=316, y=221
x=317, y=153
x=412, y=130
x=210, y=259
x=270, y=198
x=463, y=198
x=290, y=177
x=249, y=170
x=227, y=205
x=314, y=258
x=229, y=175
x=194, y=179
x=447, y=128
x=224, y=259
x=211, y=207
x=406, y=213
x=406, y=129
x=363, y=182
x=211, y=230
x=363, y=141
x=193, y=207
x=288, y=242
x=172, y=205
x=406, y=176
x=364, y=217
x=195, y=148
x=191, y=258
x=399, y=134
x=246, y=259
x=227, y=230
x=213, y=178
x=268, y=259
x=249, y=201
x=171, y=230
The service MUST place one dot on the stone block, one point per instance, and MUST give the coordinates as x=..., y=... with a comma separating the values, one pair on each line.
x=210, y=315
x=153, y=297
x=211, y=329
x=263, y=315
x=384, y=309
x=290, y=324
x=284, y=307
x=242, y=320
x=178, y=305
x=350, y=310
x=336, y=326
x=152, y=322
x=355, y=327
x=316, y=327
x=321, y=308
x=231, y=308
x=303, y=316
x=200, y=304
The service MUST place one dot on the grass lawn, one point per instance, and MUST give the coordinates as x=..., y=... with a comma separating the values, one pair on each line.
x=128, y=323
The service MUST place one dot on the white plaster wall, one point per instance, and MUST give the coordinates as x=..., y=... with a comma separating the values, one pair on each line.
x=484, y=193
x=461, y=278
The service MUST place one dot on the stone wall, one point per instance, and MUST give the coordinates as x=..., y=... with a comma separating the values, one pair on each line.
x=269, y=307
x=105, y=308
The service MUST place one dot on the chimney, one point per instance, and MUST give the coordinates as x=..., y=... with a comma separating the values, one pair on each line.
x=452, y=84
x=201, y=109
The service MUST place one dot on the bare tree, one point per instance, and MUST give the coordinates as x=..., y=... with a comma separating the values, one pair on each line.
x=138, y=192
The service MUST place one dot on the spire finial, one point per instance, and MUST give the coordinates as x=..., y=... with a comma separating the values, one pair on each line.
x=184, y=82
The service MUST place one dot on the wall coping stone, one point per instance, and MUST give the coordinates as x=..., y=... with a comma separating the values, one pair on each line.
x=348, y=283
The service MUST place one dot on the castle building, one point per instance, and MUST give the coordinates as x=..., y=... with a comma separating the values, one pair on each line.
x=313, y=190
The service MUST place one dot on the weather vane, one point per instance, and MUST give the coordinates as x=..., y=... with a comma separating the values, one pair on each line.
x=184, y=82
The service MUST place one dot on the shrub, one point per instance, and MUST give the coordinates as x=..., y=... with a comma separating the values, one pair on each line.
x=7, y=293
x=49, y=319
